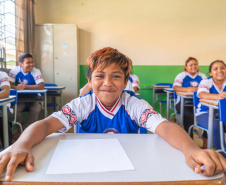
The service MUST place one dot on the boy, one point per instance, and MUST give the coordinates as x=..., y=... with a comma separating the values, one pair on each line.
x=109, y=109
x=26, y=76
x=4, y=93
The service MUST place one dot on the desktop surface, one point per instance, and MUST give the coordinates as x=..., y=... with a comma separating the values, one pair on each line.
x=154, y=160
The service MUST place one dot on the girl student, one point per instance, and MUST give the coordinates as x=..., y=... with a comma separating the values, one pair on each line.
x=188, y=81
x=213, y=88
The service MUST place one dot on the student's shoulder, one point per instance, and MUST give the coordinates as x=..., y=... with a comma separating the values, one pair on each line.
x=3, y=74
x=182, y=75
x=15, y=69
x=133, y=76
x=202, y=75
x=206, y=82
x=35, y=70
x=129, y=97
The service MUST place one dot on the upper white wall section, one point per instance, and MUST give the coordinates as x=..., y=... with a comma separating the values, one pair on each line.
x=150, y=32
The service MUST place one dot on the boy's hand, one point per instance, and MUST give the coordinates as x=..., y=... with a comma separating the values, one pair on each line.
x=20, y=86
x=192, y=89
x=13, y=158
x=214, y=162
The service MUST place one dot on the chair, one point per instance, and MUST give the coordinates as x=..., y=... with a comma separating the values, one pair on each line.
x=196, y=124
x=53, y=94
x=14, y=92
x=161, y=91
x=222, y=118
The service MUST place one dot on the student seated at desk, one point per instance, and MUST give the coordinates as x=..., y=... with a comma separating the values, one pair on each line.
x=26, y=76
x=188, y=81
x=213, y=88
x=109, y=109
x=4, y=93
x=133, y=84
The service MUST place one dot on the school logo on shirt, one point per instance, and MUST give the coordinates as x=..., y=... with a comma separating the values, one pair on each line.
x=25, y=81
x=70, y=114
x=144, y=117
x=194, y=84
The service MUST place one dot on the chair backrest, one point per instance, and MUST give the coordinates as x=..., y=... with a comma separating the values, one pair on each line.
x=14, y=92
x=164, y=84
x=53, y=85
x=195, y=100
x=222, y=109
x=195, y=103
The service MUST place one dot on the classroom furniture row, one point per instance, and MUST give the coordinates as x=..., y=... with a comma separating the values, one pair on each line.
x=57, y=90
x=211, y=104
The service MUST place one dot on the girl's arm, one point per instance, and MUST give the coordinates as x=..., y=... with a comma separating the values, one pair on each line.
x=195, y=157
x=210, y=96
x=184, y=89
x=5, y=91
x=20, y=152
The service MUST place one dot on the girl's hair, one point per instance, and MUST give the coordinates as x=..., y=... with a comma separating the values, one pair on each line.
x=211, y=65
x=105, y=57
x=188, y=60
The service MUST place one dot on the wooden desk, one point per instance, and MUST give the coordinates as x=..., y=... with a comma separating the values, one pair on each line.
x=157, y=87
x=212, y=104
x=33, y=92
x=183, y=95
x=168, y=92
x=154, y=160
x=59, y=90
x=3, y=103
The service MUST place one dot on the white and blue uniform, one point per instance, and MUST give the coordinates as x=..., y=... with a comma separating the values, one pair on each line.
x=17, y=76
x=208, y=86
x=34, y=77
x=202, y=114
x=126, y=116
x=184, y=79
x=132, y=82
x=4, y=79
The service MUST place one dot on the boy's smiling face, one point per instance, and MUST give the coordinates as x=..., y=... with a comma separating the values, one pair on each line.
x=108, y=84
x=27, y=65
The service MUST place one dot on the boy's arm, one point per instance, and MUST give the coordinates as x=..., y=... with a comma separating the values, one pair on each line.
x=5, y=91
x=195, y=157
x=20, y=152
x=39, y=86
x=184, y=89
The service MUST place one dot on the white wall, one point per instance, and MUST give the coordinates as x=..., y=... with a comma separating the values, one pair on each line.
x=150, y=32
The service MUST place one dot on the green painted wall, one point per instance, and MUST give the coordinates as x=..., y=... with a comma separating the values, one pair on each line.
x=148, y=76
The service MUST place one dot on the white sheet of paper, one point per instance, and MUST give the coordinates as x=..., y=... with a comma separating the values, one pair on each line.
x=89, y=155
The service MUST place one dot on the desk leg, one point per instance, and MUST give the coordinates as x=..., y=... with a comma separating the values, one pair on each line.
x=167, y=105
x=45, y=103
x=153, y=99
x=210, y=128
x=182, y=112
x=5, y=126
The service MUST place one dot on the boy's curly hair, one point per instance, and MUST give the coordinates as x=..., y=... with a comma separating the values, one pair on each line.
x=105, y=57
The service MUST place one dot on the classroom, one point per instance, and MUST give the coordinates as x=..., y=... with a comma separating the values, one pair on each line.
x=157, y=36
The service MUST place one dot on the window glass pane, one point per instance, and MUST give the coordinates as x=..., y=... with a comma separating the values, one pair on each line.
x=7, y=32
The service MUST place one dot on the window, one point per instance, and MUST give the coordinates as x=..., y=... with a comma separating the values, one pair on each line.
x=7, y=34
